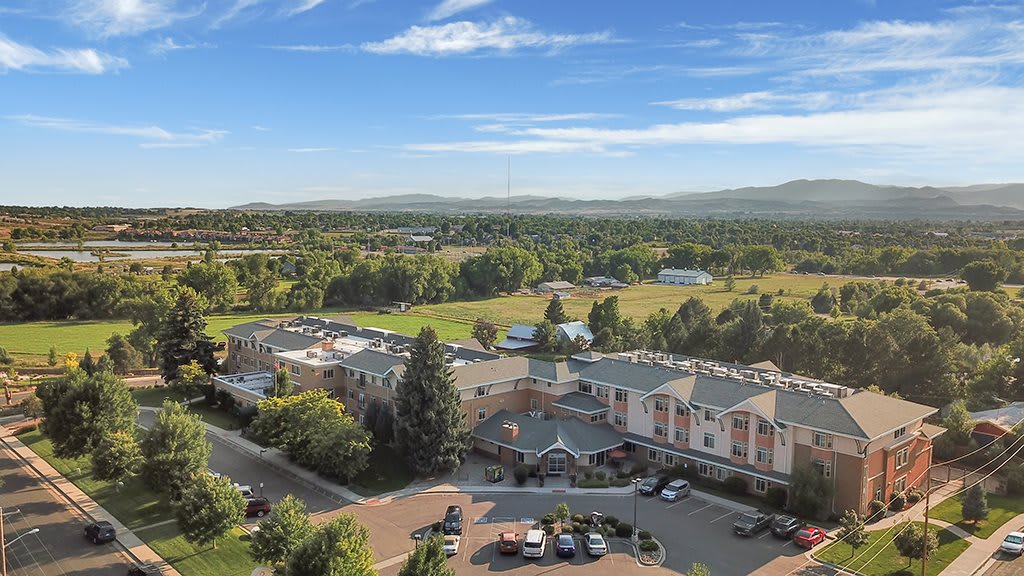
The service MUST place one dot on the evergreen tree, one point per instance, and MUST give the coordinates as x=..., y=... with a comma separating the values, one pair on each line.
x=485, y=332
x=182, y=336
x=281, y=533
x=974, y=505
x=80, y=410
x=340, y=547
x=555, y=313
x=429, y=425
x=544, y=334
x=116, y=457
x=283, y=383
x=428, y=559
x=51, y=358
x=122, y=354
x=87, y=363
x=175, y=449
x=208, y=509
x=730, y=283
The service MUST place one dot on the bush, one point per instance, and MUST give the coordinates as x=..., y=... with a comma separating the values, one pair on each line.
x=1015, y=481
x=648, y=546
x=25, y=429
x=600, y=475
x=754, y=289
x=549, y=529
x=623, y=474
x=775, y=497
x=645, y=535
x=578, y=519
x=548, y=519
x=592, y=483
x=735, y=485
x=914, y=496
x=5, y=357
x=619, y=482
x=898, y=502
x=875, y=509
x=520, y=472
x=588, y=474
x=611, y=521
x=624, y=530
x=580, y=528
x=567, y=529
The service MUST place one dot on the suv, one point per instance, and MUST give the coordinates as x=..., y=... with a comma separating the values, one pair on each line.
x=534, y=543
x=786, y=526
x=675, y=490
x=100, y=532
x=452, y=521
x=750, y=523
x=653, y=485
x=258, y=507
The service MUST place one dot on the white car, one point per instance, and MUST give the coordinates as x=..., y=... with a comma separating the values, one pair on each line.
x=244, y=490
x=451, y=544
x=1013, y=543
x=596, y=546
x=212, y=473
x=534, y=544
x=675, y=490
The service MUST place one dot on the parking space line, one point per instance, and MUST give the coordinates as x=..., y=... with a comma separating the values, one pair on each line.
x=763, y=535
x=727, y=514
x=699, y=509
x=673, y=505
x=786, y=543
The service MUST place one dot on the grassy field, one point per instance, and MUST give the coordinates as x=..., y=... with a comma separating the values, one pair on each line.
x=1001, y=509
x=230, y=558
x=889, y=562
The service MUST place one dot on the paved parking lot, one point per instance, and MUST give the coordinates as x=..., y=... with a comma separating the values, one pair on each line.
x=1006, y=565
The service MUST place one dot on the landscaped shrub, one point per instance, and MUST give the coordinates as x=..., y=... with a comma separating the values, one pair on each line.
x=735, y=485
x=754, y=289
x=619, y=482
x=611, y=521
x=648, y=546
x=775, y=497
x=914, y=496
x=578, y=519
x=25, y=429
x=549, y=529
x=875, y=509
x=580, y=528
x=520, y=472
x=568, y=529
x=601, y=475
x=592, y=483
x=588, y=474
x=548, y=519
x=624, y=530
x=623, y=474
x=897, y=503
x=644, y=535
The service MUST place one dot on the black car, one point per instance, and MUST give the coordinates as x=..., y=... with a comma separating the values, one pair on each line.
x=750, y=523
x=101, y=532
x=653, y=485
x=786, y=526
x=452, y=521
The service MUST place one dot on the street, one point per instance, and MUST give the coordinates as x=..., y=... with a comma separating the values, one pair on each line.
x=1006, y=565
x=59, y=548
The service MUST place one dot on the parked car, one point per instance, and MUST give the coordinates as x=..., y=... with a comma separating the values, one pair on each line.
x=596, y=546
x=750, y=523
x=565, y=546
x=508, y=543
x=653, y=485
x=1013, y=543
x=809, y=537
x=212, y=473
x=451, y=544
x=534, y=543
x=143, y=570
x=785, y=526
x=100, y=532
x=675, y=490
x=452, y=520
x=258, y=507
x=244, y=490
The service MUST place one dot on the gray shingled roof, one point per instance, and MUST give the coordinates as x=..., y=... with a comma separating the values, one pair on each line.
x=288, y=340
x=246, y=330
x=372, y=362
x=622, y=374
x=705, y=457
x=536, y=436
x=580, y=402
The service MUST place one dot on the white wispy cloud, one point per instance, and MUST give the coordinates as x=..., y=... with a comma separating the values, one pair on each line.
x=449, y=8
x=168, y=44
x=311, y=150
x=259, y=128
x=752, y=101
x=303, y=6
x=237, y=9
x=108, y=18
x=153, y=136
x=507, y=34
x=525, y=116
x=17, y=56
x=315, y=47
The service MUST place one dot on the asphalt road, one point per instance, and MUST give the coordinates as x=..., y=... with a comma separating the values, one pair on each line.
x=59, y=548
x=1006, y=565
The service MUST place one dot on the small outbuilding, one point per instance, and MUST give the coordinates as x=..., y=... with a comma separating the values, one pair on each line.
x=555, y=286
x=684, y=277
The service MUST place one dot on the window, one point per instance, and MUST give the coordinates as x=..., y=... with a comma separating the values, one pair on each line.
x=481, y=391
x=328, y=373
x=822, y=440
x=481, y=414
x=374, y=380
x=362, y=380
x=362, y=419
x=709, y=440
x=878, y=494
x=533, y=403
x=520, y=457
x=705, y=469
x=351, y=394
x=294, y=369
x=620, y=418
x=681, y=409
x=823, y=467
x=682, y=435
x=761, y=485
x=362, y=400
x=661, y=404
x=621, y=395
x=722, y=473
x=670, y=460
x=765, y=455
x=740, y=422
x=598, y=417
x=902, y=457
x=764, y=428
x=660, y=429
x=653, y=455
x=739, y=449
x=899, y=486
x=586, y=387
x=602, y=391
x=709, y=415
x=900, y=432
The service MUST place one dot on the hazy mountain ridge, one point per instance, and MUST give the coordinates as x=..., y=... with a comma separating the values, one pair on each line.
x=807, y=198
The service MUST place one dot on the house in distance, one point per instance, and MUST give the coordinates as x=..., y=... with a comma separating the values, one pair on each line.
x=684, y=277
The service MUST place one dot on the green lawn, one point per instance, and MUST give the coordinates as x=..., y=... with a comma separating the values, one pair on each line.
x=387, y=472
x=230, y=558
x=1002, y=509
x=889, y=562
x=154, y=397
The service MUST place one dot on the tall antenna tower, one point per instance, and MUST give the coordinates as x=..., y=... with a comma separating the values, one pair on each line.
x=508, y=192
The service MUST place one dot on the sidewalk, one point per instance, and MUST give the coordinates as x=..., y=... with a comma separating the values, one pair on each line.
x=983, y=553
x=134, y=547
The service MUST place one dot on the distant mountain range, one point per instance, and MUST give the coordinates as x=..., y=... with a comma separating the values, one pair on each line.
x=799, y=198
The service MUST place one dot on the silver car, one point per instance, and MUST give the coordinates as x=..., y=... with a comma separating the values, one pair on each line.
x=1013, y=544
x=596, y=546
x=675, y=490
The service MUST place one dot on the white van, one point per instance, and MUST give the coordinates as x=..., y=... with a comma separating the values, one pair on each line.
x=533, y=544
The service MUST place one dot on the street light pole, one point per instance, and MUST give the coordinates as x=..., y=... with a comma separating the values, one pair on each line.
x=3, y=547
x=32, y=531
x=636, y=485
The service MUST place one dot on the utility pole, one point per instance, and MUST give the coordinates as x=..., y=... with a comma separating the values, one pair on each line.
x=927, y=501
x=3, y=546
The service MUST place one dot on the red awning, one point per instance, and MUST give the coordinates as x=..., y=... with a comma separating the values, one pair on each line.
x=617, y=454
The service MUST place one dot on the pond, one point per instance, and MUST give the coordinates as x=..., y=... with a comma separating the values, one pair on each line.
x=87, y=256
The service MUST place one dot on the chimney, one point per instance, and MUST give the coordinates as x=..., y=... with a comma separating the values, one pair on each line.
x=327, y=345
x=509, y=431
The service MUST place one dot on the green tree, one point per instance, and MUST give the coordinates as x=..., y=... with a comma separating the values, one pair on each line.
x=605, y=314
x=80, y=410
x=340, y=547
x=698, y=569
x=51, y=357
x=958, y=424
x=261, y=292
x=283, y=383
x=544, y=334
x=87, y=363
x=760, y=259
x=851, y=531
x=427, y=559
x=116, y=457
x=485, y=332
x=824, y=300
x=208, y=509
x=123, y=356
x=429, y=425
x=809, y=491
x=554, y=313
x=281, y=533
x=175, y=449
x=191, y=381
x=983, y=275
x=215, y=281
x=911, y=542
x=974, y=505
x=730, y=283
x=561, y=512
x=182, y=336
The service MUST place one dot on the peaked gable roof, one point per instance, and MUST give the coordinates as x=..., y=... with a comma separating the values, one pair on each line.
x=373, y=362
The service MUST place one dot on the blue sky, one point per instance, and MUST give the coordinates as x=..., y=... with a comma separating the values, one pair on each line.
x=217, y=103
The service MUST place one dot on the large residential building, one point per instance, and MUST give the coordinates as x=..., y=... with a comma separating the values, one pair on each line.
x=719, y=420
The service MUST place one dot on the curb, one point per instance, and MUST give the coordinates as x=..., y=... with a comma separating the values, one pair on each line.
x=642, y=564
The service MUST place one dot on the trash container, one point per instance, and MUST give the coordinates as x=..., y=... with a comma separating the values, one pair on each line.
x=494, y=473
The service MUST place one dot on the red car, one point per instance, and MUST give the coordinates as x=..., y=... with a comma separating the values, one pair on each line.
x=258, y=507
x=809, y=537
x=508, y=543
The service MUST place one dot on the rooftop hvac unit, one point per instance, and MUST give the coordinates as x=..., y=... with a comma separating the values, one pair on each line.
x=311, y=354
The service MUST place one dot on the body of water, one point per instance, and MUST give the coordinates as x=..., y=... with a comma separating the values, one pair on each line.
x=86, y=256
